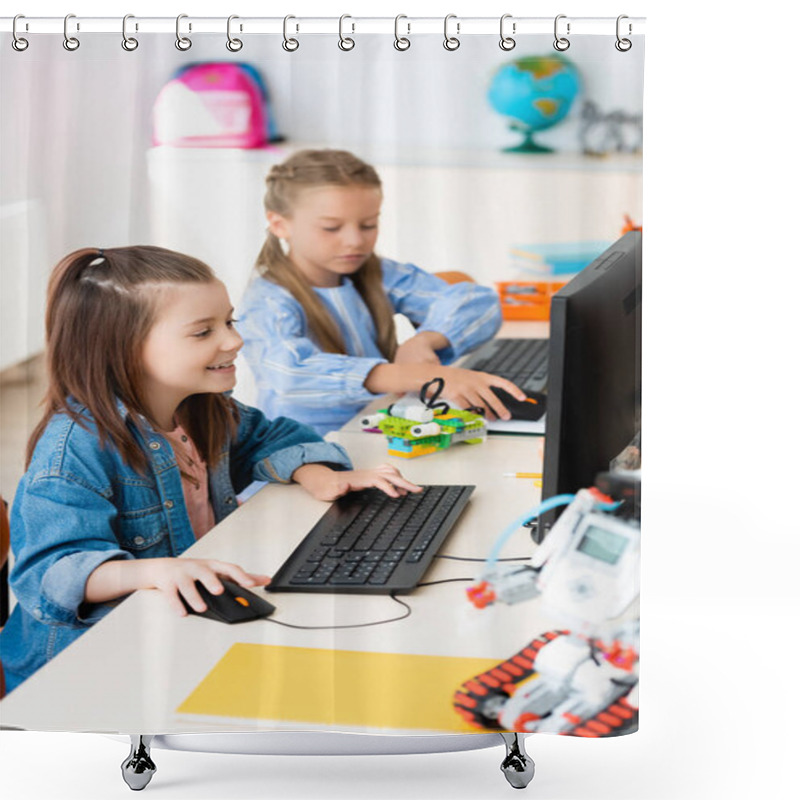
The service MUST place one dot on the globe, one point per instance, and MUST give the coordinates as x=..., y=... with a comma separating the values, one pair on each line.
x=537, y=93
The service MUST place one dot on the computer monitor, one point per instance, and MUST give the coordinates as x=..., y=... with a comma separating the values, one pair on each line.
x=595, y=371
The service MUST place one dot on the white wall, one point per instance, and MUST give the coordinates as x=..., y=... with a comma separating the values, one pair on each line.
x=75, y=143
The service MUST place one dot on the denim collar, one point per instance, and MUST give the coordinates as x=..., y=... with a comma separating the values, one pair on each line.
x=122, y=410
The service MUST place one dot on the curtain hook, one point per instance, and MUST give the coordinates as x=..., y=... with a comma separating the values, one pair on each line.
x=451, y=42
x=401, y=43
x=346, y=43
x=183, y=43
x=234, y=45
x=18, y=43
x=623, y=45
x=70, y=42
x=561, y=43
x=507, y=42
x=290, y=45
x=129, y=43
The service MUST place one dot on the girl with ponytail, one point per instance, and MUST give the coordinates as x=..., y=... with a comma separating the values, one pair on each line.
x=141, y=449
x=318, y=318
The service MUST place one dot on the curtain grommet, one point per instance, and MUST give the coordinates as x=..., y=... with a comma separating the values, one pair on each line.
x=561, y=43
x=233, y=44
x=289, y=44
x=70, y=43
x=19, y=43
x=183, y=43
x=451, y=43
x=507, y=43
x=129, y=43
x=346, y=43
x=623, y=44
x=401, y=43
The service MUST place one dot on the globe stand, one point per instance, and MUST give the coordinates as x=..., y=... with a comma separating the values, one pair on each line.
x=527, y=145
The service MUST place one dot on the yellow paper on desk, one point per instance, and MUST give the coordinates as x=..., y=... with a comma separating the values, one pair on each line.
x=335, y=688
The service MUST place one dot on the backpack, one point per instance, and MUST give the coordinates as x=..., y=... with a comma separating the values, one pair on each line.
x=214, y=105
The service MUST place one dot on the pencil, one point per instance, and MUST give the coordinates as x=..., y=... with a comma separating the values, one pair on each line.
x=533, y=475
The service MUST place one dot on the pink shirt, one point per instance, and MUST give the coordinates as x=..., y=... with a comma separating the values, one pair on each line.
x=194, y=481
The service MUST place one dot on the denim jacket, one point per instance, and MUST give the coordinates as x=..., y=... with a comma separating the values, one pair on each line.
x=79, y=505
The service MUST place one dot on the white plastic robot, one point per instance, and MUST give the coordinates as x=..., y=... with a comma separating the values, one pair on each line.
x=580, y=680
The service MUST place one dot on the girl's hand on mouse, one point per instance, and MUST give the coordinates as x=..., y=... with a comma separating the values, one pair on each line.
x=173, y=576
x=176, y=576
x=421, y=349
x=469, y=389
x=465, y=387
x=326, y=484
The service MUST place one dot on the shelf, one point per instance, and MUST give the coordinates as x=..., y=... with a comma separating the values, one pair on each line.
x=389, y=156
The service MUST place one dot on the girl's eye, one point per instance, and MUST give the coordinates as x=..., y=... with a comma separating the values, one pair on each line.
x=231, y=322
x=202, y=334
x=369, y=227
x=330, y=230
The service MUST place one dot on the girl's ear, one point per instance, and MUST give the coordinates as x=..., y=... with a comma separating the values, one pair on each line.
x=277, y=224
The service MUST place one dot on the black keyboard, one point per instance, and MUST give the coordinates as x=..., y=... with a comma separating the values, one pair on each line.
x=370, y=543
x=521, y=361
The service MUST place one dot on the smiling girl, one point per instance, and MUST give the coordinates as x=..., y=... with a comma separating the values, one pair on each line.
x=141, y=449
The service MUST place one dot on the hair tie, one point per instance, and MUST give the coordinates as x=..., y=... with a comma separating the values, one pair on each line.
x=101, y=253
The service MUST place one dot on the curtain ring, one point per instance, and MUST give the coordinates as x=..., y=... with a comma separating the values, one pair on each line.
x=18, y=43
x=507, y=42
x=561, y=43
x=183, y=43
x=623, y=45
x=345, y=42
x=234, y=45
x=129, y=43
x=70, y=42
x=451, y=42
x=289, y=45
x=401, y=42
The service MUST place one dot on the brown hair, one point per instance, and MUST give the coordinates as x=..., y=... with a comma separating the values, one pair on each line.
x=313, y=168
x=101, y=304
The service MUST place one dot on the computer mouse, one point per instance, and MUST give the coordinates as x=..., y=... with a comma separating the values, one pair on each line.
x=532, y=408
x=235, y=604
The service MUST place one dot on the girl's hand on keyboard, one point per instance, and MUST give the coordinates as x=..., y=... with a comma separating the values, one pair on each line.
x=324, y=483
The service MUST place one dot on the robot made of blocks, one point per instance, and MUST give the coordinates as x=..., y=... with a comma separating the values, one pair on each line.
x=415, y=427
x=581, y=680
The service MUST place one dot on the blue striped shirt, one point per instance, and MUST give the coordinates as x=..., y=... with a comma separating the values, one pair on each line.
x=295, y=378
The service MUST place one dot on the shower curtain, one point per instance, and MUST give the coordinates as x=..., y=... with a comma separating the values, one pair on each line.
x=510, y=159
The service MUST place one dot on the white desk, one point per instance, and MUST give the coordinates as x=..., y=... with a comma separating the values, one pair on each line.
x=132, y=670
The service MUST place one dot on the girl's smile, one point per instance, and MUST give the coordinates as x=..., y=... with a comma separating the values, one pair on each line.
x=225, y=368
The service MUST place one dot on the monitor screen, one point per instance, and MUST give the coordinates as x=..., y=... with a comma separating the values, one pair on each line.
x=594, y=383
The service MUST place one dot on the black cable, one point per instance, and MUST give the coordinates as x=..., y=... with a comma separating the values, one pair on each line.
x=446, y=580
x=360, y=625
x=379, y=622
